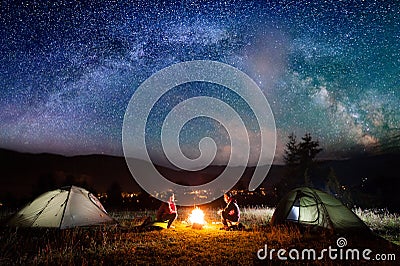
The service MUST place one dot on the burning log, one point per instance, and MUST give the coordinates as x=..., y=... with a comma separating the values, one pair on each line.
x=196, y=218
x=197, y=226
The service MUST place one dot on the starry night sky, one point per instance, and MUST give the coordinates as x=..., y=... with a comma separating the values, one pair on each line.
x=68, y=69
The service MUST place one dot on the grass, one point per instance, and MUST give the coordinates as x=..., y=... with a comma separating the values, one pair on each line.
x=382, y=223
x=123, y=244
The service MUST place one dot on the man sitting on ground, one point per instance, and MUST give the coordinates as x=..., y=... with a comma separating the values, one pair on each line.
x=230, y=215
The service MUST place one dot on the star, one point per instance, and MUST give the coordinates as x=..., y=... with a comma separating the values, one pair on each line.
x=69, y=69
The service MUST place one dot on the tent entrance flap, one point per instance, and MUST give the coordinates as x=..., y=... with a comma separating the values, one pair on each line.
x=305, y=210
x=294, y=214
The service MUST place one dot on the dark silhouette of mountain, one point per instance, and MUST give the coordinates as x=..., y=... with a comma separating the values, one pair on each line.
x=22, y=173
x=353, y=171
x=372, y=180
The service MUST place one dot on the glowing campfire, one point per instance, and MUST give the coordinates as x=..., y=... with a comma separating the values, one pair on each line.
x=196, y=218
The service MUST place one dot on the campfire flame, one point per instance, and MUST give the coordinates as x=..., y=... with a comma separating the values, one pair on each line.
x=197, y=217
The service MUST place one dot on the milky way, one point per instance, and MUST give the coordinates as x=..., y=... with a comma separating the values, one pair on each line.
x=69, y=69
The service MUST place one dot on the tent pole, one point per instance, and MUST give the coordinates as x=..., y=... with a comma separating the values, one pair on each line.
x=65, y=207
x=40, y=212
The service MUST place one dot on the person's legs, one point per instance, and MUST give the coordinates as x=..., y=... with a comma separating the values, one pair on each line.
x=233, y=218
x=170, y=217
x=147, y=221
x=226, y=217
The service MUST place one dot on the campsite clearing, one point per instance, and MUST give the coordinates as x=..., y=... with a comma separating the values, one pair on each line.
x=124, y=244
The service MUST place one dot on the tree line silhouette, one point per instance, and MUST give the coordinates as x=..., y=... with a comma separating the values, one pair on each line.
x=302, y=169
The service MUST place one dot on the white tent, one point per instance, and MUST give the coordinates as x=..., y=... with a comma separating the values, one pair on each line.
x=62, y=208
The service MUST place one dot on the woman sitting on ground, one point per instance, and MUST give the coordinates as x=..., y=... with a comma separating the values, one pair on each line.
x=167, y=211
